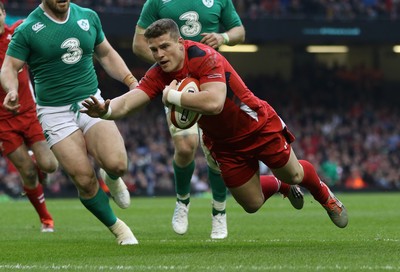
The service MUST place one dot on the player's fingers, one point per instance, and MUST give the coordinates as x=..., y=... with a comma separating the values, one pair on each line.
x=94, y=99
x=207, y=37
x=86, y=104
x=173, y=83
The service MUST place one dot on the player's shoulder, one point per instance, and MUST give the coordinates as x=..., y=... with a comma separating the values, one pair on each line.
x=195, y=49
x=198, y=51
x=32, y=19
x=9, y=29
x=154, y=71
x=82, y=10
x=224, y=3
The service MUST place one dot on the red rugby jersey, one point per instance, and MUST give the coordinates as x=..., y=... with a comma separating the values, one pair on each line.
x=25, y=89
x=243, y=112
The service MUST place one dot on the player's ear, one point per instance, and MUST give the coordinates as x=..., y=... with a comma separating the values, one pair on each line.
x=181, y=41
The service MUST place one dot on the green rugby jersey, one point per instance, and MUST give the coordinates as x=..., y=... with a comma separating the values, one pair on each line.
x=59, y=54
x=192, y=16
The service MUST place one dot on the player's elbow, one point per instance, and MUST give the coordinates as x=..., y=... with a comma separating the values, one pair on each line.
x=135, y=49
x=242, y=37
x=214, y=108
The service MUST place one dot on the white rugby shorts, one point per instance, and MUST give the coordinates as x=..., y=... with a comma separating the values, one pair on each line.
x=60, y=122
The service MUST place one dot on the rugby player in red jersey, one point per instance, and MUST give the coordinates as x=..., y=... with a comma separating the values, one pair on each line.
x=238, y=128
x=20, y=132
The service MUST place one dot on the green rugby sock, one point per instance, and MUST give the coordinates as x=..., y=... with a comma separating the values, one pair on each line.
x=183, y=176
x=100, y=207
x=219, y=191
x=217, y=184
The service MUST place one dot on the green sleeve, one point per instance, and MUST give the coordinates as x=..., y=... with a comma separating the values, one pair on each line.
x=149, y=14
x=100, y=33
x=229, y=17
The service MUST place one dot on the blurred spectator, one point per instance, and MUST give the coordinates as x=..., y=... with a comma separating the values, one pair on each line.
x=292, y=9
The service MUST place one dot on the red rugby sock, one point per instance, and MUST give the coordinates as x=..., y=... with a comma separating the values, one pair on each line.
x=36, y=197
x=312, y=183
x=269, y=185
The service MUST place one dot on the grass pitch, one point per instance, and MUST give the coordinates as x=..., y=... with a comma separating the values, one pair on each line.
x=276, y=238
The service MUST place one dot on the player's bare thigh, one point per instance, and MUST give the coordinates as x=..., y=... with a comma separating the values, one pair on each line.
x=72, y=155
x=186, y=142
x=105, y=143
x=249, y=195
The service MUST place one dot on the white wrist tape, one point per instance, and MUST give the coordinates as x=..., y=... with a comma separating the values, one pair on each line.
x=107, y=114
x=174, y=97
x=226, y=37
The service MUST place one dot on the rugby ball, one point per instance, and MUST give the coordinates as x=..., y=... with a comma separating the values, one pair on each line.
x=180, y=117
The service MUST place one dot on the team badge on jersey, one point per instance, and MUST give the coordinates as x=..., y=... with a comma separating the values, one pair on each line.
x=84, y=24
x=208, y=3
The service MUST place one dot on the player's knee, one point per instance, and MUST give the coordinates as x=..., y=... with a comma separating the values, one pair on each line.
x=185, y=152
x=49, y=166
x=116, y=168
x=86, y=185
x=296, y=178
x=251, y=208
x=291, y=178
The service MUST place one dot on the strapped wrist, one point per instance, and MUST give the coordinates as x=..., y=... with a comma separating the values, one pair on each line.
x=226, y=37
x=174, y=97
x=107, y=115
x=129, y=79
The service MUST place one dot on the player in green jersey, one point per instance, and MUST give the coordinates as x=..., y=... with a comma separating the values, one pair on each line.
x=201, y=21
x=58, y=41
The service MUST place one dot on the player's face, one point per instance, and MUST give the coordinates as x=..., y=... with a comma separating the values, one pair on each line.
x=168, y=52
x=58, y=8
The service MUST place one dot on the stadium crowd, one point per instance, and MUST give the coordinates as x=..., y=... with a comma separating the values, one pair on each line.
x=291, y=9
x=347, y=123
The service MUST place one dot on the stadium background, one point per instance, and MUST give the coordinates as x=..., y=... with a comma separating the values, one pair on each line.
x=342, y=107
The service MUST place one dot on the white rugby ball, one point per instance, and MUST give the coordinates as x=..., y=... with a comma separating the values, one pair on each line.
x=180, y=117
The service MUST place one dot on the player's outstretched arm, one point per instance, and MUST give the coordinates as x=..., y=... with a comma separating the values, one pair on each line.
x=117, y=108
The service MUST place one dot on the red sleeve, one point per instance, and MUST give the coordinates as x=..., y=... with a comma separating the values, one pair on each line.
x=15, y=25
x=208, y=66
x=152, y=83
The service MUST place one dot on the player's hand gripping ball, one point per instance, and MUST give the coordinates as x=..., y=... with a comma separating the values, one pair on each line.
x=180, y=117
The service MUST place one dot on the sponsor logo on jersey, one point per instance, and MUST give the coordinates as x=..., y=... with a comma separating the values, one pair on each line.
x=74, y=51
x=166, y=1
x=214, y=76
x=38, y=26
x=9, y=36
x=84, y=24
x=208, y=3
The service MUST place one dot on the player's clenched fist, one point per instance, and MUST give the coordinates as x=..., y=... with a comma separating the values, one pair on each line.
x=11, y=102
